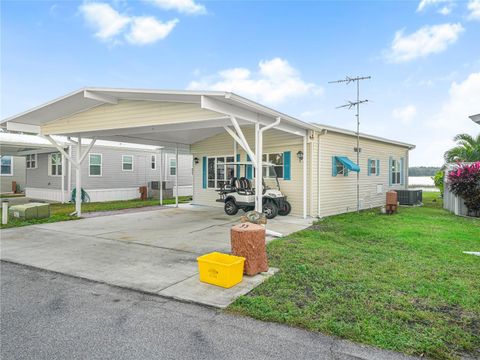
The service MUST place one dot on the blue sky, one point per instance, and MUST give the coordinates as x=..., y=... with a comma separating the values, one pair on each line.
x=423, y=56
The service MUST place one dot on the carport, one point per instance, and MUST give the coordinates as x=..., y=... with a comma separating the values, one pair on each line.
x=172, y=120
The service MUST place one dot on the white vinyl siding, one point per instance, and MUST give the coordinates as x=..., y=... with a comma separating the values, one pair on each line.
x=95, y=165
x=31, y=161
x=127, y=162
x=55, y=164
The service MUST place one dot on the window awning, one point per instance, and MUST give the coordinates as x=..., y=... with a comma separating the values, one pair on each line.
x=349, y=164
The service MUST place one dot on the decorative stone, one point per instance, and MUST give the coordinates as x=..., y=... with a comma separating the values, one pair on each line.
x=248, y=241
x=254, y=217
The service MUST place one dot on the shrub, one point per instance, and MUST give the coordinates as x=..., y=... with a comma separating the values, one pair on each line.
x=465, y=183
x=438, y=180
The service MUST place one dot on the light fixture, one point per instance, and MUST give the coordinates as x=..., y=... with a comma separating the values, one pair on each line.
x=300, y=155
x=196, y=160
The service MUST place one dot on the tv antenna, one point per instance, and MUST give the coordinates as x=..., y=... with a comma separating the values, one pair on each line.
x=349, y=105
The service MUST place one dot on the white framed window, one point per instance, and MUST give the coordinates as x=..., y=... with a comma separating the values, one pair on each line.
x=31, y=161
x=55, y=164
x=173, y=167
x=127, y=162
x=220, y=169
x=395, y=172
x=153, y=162
x=6, y=166
x=95, y=165
x=340, y=168
x=277, y=169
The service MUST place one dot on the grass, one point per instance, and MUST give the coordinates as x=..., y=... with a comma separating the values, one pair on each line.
x=61, y=212
x=397, y=282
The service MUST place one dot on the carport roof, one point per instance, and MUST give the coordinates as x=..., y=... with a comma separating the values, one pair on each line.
x=221, y=102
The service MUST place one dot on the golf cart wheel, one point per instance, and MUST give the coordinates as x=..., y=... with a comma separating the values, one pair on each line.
x=270, y=209
x=230, y=207
x=285, y=209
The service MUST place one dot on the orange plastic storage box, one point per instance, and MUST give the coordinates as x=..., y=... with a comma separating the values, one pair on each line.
x=221, y=269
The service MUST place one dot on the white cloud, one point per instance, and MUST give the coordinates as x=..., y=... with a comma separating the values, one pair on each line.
x=146, y=30
x=474, y=8
x=405, y=114
x=110, y=25
x=425, y=41
x=445, y=10
x=450, y=119
x=463, y=101
x=274, y=81
x=182, y=6
x=423, y=4
x=106, y=21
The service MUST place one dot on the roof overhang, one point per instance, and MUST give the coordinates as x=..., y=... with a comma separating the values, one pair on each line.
x=475, y=118
x=364, y=136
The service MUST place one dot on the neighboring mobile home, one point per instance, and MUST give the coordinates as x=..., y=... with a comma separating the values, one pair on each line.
x=317, y=163
x=112, y=171
x=12, y=174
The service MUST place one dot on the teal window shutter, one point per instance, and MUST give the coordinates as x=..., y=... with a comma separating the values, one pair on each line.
x=369, y=167
x=249, y=170
x=287, y=160
x=238, y=166
x=334, y=166
x=390, y=171
x=345, y=171
x=378, y=167
x=204, y=172
x=401, y=170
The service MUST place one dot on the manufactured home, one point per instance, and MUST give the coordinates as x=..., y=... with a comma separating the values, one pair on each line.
x=111, y=171
x=316, y=164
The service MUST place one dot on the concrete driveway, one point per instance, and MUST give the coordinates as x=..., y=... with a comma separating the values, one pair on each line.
x=152, y=251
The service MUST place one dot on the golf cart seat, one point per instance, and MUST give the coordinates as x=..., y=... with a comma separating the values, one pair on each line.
x=243, y=186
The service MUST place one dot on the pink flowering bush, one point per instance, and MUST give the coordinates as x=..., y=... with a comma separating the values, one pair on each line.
x=465, y=183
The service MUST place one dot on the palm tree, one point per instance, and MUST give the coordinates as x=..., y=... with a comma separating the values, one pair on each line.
x=467, y=149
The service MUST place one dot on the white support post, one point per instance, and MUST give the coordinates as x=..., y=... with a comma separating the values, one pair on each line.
x=78, y=181
x=258, y=170
x=5, y=212
x=235, y=158
x=160, y=188
x=305, y=177
x=69, y=180
x=63, y=179
x=176, y=175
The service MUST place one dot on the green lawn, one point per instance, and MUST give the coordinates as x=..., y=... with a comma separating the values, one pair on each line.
x=397, y=282
x=61, y=212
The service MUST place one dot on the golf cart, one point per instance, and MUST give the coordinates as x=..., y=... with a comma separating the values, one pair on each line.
x=237, y=193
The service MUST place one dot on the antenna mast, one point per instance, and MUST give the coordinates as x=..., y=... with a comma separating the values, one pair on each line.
x=351, y=104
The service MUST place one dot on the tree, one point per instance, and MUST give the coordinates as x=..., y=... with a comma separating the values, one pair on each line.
x=467, y=149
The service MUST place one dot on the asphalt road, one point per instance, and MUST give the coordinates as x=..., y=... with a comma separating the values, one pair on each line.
x=46, y=315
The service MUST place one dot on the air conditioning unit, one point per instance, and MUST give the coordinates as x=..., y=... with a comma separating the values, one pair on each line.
x=409, y=197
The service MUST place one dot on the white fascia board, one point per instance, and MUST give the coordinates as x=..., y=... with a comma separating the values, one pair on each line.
x=222, y=107
x=24, y=128
x=100, y=97
x=334, y=129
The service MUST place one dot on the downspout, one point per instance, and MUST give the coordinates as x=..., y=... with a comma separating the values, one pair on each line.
x=323, y=132
x=305, y=158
